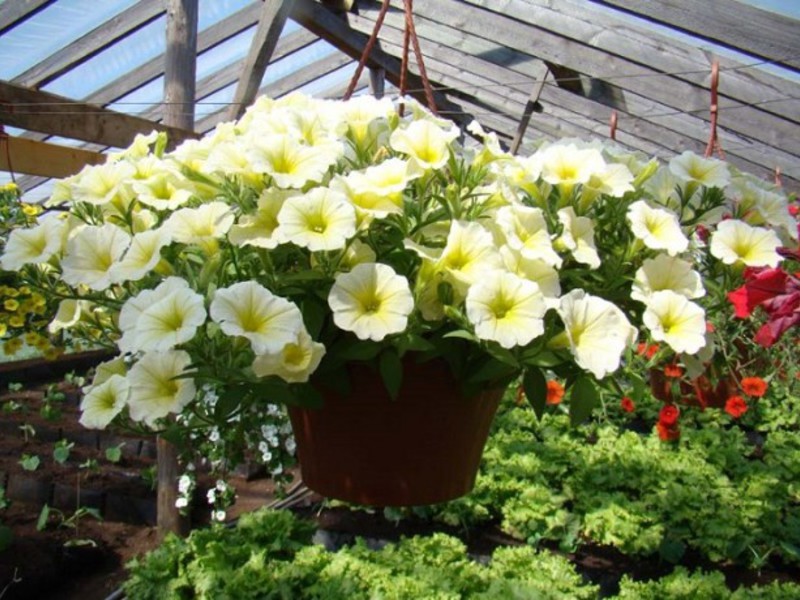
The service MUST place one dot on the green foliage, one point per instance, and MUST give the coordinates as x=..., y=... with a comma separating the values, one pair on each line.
x=268, y=556
x=61, y=451
x=114, y=453
x=547, y=481
x=30, y=462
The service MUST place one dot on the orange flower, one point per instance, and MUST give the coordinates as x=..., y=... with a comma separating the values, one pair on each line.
x=673, y=370
x=627, y=404
x=555, y=392
x=648, y=351
x=754, y=386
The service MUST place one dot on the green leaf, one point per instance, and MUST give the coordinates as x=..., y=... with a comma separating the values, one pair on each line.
x=306, y=275
x=44, y=515
x=491, y=370
x=503, y=355
x=415, y=343
x=583, y=399
x=545, y=359
x=638, y=386
x=114, y=453
x=174, y=434
x=314, y=313
x=5, y=537
x=461, y=333
x=357, y=350
x=391, y=369
x=535, y=387
x=671, y=550
x=30, y=462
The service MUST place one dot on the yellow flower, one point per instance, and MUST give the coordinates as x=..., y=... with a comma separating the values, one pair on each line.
x=3, y=329
x=11, y=305
x=31, y=210
x=17, y=321
x=12, y=346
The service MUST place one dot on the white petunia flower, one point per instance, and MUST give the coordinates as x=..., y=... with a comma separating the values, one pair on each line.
x=322, y=219
x=537, y=271
x=91, y=253
x=710, y=172
x=290, y=163
x=157, y=388
x=658, y=228
x=35, y=245
x=258, y=229
x=675, y=320
x=578, y=237
x=104, y=401
x=250, y=310
x=469, y=254
x=142, y=256
x=596, y=330
x=425, y=142
x=566, y=164
x=506, y=309
x=199, y=225
x=160, y=319
x=163, y=190
x=372, y=301
x=103, y=184
x=737, y=242
x=666, y=273
x=525, y=230
x=294, y=363
x=68, y=314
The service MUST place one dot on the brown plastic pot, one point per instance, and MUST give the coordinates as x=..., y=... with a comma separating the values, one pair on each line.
x=422, y=448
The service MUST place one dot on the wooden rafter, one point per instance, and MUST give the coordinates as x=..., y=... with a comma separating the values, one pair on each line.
x=732, y=23
x=56, y=115
x=14, y=12
x=40, y=158
x=270, y=25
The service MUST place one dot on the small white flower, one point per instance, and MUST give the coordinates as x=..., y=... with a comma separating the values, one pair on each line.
x=218, y=515
x=181, y=502
x=211, y=495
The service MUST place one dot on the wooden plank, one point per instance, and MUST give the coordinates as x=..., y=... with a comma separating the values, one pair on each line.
x=511, y=74
x=56, y=115
x=14, y=12
x=618, y=34
x=91, y=44
x=270, y=25
x=32, y=157
x=377, y=82
x=594, y=62
x=335, y=30
x=737, y=25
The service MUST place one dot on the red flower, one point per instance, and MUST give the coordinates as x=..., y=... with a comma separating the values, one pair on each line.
x=778, y=293
x=647, y=350
x=702, y=233
x=555, y=392
x=673, y=370
x=669, y=415
x=667, y=434
x=627, y=404
x=735, y=406
x=760, y=286
x=754, y=386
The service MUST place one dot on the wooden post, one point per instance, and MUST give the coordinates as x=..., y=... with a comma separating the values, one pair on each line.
x=377, y=80
x=530, y=107
x=179, y=89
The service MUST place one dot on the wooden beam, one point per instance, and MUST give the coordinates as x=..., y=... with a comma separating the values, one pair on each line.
x=270, y=25
x=377, y=82
x=14, y=12
x=40, y=158
x=511, y=28
x=91, y=44
x=734, y=24
x=179, y=95
x=56, y=115
x=531, y=106
x=335, y=29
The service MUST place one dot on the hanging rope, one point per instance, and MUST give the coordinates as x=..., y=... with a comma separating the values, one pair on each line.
x=613, y=125
x=409, y=38
x=4, y=140
x=778, y=180
x=367, y=50
x=713, y=140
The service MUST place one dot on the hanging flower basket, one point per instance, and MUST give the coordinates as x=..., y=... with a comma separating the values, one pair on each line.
x=423, y=447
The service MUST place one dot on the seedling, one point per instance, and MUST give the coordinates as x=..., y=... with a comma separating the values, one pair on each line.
x=27, y=431
x=62, y=450
x=30, y=462
x=114, y=453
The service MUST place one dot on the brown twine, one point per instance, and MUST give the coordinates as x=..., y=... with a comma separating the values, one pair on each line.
x=4, y=138
x=778, y=180
x=613, y=125
x=713, y=140
x=367, y=49
x=409, y=38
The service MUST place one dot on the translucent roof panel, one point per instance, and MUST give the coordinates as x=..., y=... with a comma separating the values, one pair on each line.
x=35, y=39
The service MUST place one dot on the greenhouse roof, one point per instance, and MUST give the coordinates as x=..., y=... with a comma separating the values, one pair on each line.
x=76, y=72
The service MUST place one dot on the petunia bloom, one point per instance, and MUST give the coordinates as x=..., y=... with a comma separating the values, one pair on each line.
x=506, y=309
x=91, y=254
x=658, y=228
x=294, y=363
x=737, y=242
x=322, y=219
x=102, y=402
x=675, y=320
x=157, y=388
x=372, y=301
